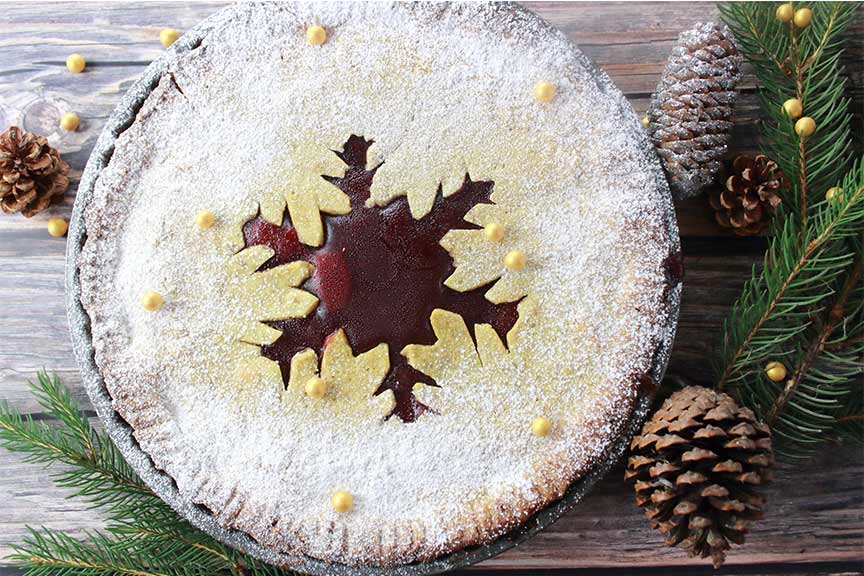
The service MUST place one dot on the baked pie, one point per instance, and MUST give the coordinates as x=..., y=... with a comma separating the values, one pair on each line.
x=376, y=282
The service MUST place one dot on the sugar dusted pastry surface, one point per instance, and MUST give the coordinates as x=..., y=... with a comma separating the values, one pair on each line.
x=248, y=121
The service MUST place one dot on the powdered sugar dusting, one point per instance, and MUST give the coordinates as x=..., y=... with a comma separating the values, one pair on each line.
x=443, y=90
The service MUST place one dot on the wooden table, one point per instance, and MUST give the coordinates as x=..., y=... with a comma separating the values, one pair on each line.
x=815, y=516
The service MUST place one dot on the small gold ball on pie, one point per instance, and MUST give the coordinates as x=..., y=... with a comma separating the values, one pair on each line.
x=168, y=36
x=541, y=426
x=805, y=126
x=342, y=501
x=494, y=232
x=151, y=300
x=69, y=122
x=515, y=260
x=793, y=108
x=785, y=12
x=75, y=63
x=775, y=371
x=645, y=121
x=57, y=227
x=802, y=18
x=834, y=194
x=316, y=35
x=544, y=91
x=316, y=387
x=204, y=219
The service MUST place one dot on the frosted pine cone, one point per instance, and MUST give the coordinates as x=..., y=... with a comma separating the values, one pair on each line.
x=689, y=118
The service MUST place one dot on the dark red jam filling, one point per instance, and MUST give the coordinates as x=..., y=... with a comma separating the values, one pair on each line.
x=379, y=276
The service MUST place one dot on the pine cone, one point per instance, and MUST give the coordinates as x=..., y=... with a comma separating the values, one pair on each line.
x=695, y=467
x=32, y=175
x=749, y=196
x=689, y=118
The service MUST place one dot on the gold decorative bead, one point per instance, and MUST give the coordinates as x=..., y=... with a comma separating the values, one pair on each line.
x=775, y=371
x=316, y=387
x=151, y=300
x=645, y=121
x=494, y=232
x=57, y=227
x=834, y=194
x=168, y=36
x=793, y=108
x=204, y=219
x=544, y=91
x=785, y=12
x=541, y=426
x=342, y=501
x=75, y=63
x=805, y=126
x=69, y=122
x=515, y=260
x=316, y=35
x=802, y=17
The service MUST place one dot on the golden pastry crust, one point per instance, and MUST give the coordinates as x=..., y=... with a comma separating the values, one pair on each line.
x=443, y=90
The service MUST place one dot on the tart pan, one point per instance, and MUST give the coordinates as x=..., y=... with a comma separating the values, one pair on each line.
x=164, y=486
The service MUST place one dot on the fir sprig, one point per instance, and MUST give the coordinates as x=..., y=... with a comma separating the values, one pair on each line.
x=803, y=307
x=143, y=535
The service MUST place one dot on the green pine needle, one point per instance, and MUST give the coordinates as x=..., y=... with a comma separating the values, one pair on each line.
x=143, y=536
x=804, y=307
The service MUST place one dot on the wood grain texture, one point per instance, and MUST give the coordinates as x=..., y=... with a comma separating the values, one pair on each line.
x=815, y=522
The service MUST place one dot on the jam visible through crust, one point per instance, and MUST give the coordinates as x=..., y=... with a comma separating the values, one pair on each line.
x=379, y=276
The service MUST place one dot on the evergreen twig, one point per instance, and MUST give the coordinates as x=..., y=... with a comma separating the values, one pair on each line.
x=803, y=307
x=143, y=536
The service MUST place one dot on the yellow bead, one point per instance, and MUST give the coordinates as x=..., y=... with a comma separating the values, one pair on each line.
x=151, y=300
x=834, y=194
x=805, y=126
x=785, y=12
x=544, y=91
x=316, y=35
x=342, y=501
x=168, y=36
x=69, y=121
x=541, y=426
x=775, y=371
x=75, y=63
x=515, y=260
x=645, y=121
x=793, y=108
x=204, y=219
x=494, y=232
x=57, y=227
x=316, y=387
x=802, y=18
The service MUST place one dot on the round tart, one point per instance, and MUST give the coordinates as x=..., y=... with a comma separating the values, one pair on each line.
x=376, y=282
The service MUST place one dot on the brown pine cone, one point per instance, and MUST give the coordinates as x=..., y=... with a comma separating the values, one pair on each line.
x=32, y=175
x=689, y=118
x=749, y=196
x=696, y=466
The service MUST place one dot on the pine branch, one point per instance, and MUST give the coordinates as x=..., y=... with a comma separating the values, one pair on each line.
x=144, y=536
x=49, y=552
x=776, y=304
x=804, y=307
x=817, y=345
